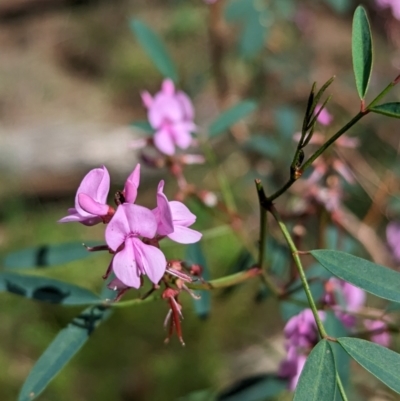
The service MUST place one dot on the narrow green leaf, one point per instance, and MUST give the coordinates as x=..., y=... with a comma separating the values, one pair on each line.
x=231, y=116
x=318, y=378
x=155, y=49
x=46, y=290
x=376, y=279
x=67, y=343
x=254, y=388
x=195, y=255
x=382, y=362
x=144, y=126
x=388, y=109
x=361, y=50
x=47, y=255
x=263, y=145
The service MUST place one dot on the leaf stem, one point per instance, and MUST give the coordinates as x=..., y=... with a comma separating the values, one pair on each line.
x=300, y=269
x=340, y=387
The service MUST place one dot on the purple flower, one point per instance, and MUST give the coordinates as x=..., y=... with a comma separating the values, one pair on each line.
x=381, y=337
x=90, y=199
x=393, y=239
x=132, y=256
x=344, y=297
x=173, y=219
x=393, y=4
x=291, y=367
x=171, y=114
x=301, y=336
x=132, y=185
x=324, y=118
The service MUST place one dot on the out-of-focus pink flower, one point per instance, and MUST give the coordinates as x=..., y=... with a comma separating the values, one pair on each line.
x=381, y=338
x=324, y=118
x=171, y=114
x=393, y=4
x=301, y=336
x=291, y=367
x=393, y=239
x=132, y=256
x=90, y=199
x=344, y=297
x=174, y=218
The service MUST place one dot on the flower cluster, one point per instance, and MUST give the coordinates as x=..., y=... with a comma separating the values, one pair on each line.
x=171, y=114
x=133, y=232
x=301, y=335
x=301, y=330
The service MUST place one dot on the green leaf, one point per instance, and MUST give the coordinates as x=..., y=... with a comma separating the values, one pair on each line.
x=361, y=50
x=340, y=6
x=46, y=290
x=199, y=395
x=255, y=388
x=47, y=255
x=252, y=38
x=375, y=279
x=67, y=343
x=144, y=126
x=195, y=255
x=231, y=117
x=318, y=378
x=388, y=109
x=382, y=362
x=263, y=145
x=155, y=49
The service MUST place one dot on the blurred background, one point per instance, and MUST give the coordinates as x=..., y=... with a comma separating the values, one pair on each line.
x=71, y=73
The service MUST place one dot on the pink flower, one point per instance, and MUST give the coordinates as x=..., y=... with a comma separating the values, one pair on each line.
x=393, y=4
x=90, y=199
x=171, y=114
x=324, y=118
x=301, y=336
x=173, y=219
x=132, y=256
x=291, y=367
x=131, y=186
x=344, y=297
x=393, y=239
x=381, y=337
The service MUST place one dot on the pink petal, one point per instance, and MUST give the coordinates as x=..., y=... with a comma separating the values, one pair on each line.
x=132, y=185
x=186, y=104
x=168, y=87
x=181, y=133
x=96, y=184
x=301, y=361
x=163, y=212
x=74, y=216
x=89, y=205
x=184, y=235
x=164, y=109
x=125, y=267
x=140, y=219
x=181, y=215
x=150, y=260
x=163, y=142
x=117, y=229
x=147, y=99
x=117, y=285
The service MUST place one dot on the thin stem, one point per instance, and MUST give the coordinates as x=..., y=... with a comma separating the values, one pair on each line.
x=332, y=139
x=382, y=94
x=263, y=227
x=340, y=387
x=300, y=269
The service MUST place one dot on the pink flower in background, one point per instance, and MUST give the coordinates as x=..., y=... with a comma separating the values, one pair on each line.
x=381, y=338
x=132, y=256
x=171, y=114
x=91, y=199
x=393, y=4
x=301, y=335
x=343, y=296
x=324, y=118
x=174, y=219
x=393, y=239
